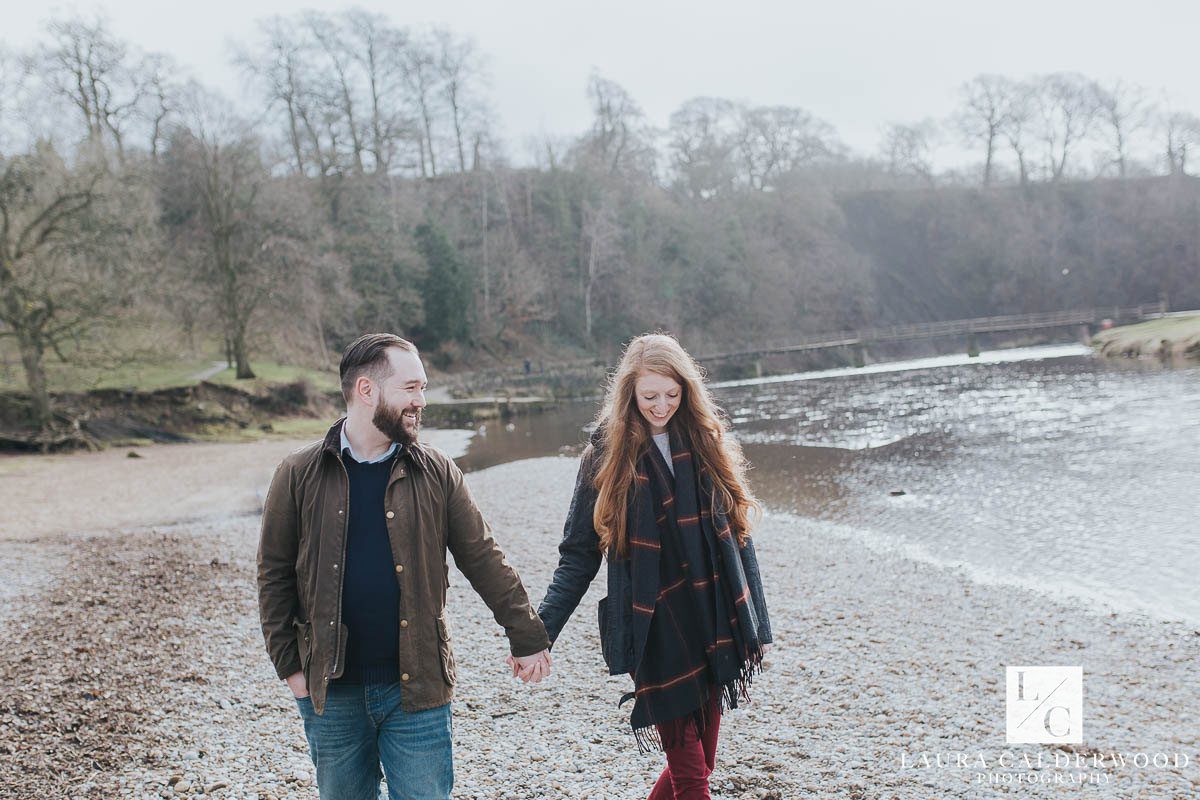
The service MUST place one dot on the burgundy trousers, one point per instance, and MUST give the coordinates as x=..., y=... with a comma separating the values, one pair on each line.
x=691, y=762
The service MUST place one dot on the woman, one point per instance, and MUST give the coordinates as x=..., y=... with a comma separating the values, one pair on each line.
x=662, y=493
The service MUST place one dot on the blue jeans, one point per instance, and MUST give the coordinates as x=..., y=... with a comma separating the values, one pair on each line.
x=363, y=727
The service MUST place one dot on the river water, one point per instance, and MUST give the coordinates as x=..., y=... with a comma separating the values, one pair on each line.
x=1046, y=468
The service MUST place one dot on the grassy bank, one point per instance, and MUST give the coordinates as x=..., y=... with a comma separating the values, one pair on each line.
x=150, y=375
x=1169, y=338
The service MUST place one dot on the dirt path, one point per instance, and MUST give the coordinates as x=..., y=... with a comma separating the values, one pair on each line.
x=205, y=374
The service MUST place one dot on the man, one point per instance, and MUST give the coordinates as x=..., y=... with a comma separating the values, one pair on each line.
x=352, y=581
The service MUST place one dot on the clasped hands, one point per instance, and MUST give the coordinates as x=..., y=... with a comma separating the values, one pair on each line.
x=530, y=669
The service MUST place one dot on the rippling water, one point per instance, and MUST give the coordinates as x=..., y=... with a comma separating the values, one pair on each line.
x=1045, y=468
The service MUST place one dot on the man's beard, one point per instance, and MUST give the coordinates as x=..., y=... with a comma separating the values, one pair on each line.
x=391, y=422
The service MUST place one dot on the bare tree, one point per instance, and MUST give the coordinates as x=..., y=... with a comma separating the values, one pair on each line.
x=102, y=77
x=703, y=140
x=987, y=102
x=775, y=140
x=461, y=73
x=17, y=88
x=379, y=50
x=339, y=84
x=423, y=82
x=908, y=149
x=355, y=93
x=1183, y=136
x=1123, y=109
x=68, y=235
x=620, y=140
x=73, y=233
x=275, y=64
x=1019, y=113
x=238, y=229
x=316, y=94
x=601, y=235
x=160, y=100
x=1067, y=106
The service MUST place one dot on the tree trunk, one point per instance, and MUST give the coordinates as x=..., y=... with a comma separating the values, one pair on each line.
x=487, y=277
x=32, y=359
x=427, y=125
x=587, y=290
x=241, y=356
x=987, y=164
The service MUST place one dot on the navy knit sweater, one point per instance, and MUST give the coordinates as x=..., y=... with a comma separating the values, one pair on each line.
x=370, y=594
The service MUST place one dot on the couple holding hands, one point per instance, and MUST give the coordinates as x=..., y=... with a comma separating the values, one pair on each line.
x=352, y=573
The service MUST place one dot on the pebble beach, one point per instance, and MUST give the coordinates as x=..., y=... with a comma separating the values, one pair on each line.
x=132, y=664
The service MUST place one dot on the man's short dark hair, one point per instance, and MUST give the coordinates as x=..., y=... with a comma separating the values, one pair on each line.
x=367, y=355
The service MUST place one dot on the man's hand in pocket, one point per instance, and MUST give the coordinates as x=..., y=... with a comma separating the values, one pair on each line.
x=298, y=685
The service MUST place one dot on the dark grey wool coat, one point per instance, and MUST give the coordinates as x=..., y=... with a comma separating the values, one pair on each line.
x=579, y=560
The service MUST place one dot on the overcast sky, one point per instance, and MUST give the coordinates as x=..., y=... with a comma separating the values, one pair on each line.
x=858, y=64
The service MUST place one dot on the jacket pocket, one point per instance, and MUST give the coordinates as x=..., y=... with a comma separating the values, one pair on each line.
x=605, y=636
x=446, y=652
x=304, y=644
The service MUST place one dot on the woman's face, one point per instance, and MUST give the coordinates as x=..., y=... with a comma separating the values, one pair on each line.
x=657, y=399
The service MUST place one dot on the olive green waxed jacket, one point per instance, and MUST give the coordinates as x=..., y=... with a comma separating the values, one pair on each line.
x=429, y=510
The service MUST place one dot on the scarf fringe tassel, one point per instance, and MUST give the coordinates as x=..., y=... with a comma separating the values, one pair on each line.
x=736, y=691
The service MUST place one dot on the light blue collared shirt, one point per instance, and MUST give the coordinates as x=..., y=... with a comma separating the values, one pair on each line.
x=346, y=448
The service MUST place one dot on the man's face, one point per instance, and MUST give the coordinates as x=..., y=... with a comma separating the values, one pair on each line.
x=401, y=398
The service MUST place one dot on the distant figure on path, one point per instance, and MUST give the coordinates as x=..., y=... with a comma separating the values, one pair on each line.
x=662, y=494
x=352, y=585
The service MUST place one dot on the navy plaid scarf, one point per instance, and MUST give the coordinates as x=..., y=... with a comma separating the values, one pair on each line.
x=691, y=602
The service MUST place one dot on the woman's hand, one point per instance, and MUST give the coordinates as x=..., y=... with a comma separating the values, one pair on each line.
x=530, y=669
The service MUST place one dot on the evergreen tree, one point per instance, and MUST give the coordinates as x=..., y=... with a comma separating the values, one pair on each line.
x=446, y=290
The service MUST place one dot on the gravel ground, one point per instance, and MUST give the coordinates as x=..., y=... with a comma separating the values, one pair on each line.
x=131, y=666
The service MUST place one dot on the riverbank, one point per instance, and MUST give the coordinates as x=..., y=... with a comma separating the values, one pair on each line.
x=1176, y=336
x=142, y=671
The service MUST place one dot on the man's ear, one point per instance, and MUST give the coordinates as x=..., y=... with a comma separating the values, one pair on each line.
x=364, y=390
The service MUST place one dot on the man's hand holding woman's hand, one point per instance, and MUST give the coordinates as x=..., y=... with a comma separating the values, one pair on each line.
x=530, y=669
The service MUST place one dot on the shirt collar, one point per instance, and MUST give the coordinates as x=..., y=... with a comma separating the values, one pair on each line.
x=347, y=449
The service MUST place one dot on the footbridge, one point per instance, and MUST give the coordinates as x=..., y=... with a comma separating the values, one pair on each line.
x=968, y=328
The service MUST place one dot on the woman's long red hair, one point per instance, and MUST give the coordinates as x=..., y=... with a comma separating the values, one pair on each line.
x=625, y=436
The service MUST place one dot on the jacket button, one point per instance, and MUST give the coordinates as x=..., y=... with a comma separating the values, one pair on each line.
x=331, y=623
x=340, y=511
x=390, y=514
x=335, y=566
x=403, y=623
x=404, y=677
x=399, y=568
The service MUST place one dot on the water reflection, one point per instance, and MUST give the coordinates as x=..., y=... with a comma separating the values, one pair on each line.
x=551, y=432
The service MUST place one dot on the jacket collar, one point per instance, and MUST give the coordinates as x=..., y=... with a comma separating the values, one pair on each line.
x=414, y=453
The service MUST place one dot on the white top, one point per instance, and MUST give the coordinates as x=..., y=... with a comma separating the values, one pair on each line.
x=663, y=440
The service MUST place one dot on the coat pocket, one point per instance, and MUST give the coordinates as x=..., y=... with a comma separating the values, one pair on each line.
x=445, y=651
x=605, y=635
x=304, y=644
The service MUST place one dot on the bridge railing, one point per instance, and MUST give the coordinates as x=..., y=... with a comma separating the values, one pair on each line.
x=922, y=330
